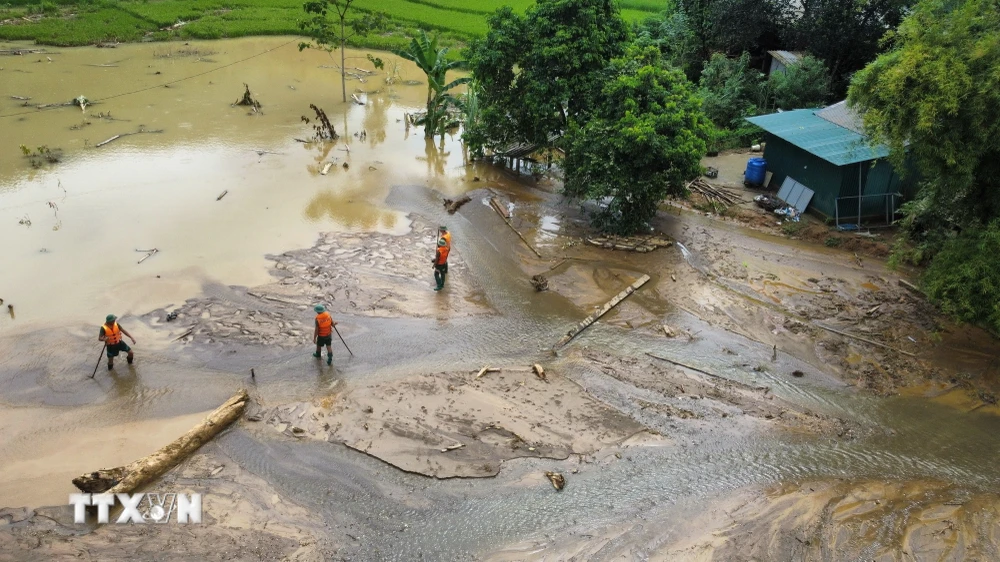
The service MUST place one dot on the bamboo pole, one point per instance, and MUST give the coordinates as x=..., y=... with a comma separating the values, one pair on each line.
x=504, y=215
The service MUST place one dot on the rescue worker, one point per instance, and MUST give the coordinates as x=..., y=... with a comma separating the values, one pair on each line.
x=440, y=262
x=323, y=334
x=111, y=334
x=443, y=234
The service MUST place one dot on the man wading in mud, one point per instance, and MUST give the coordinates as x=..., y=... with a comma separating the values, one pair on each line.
x=111, y=335
x=440, y=262
x=323, y=334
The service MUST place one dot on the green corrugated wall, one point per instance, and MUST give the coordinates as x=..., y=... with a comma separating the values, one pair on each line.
x=785, y=159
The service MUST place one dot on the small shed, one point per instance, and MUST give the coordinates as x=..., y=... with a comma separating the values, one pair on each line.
x=781, y=60
x=827, y=151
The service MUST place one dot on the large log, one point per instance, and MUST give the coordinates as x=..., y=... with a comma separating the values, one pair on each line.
x=125, y=479
x=603, y=310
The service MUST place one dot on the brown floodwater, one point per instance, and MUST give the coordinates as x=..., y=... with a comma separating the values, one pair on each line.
x=89, y=213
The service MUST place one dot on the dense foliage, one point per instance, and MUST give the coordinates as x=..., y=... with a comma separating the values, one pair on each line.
x=644, y=139
x=542, y=69
x=845, y=34
x=964, y=276
x=935, y=101
x=801, y=85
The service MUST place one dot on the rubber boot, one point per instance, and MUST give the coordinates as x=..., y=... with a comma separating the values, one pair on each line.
x=111, y=366
x=129, y=358
x=317, y=355
x=329, y=359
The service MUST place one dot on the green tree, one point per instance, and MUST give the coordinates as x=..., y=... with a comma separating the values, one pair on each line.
x=731, y=90
x=845, y=34
x=644, y=139
x=965, y=276
x=329, y=27
x=934, y=99
x=542, y=69
x=433, y=61
x=671, y=33
x=803, y=84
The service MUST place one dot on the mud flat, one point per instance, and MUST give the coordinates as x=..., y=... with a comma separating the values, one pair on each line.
x=362, y=273
x=467, y=424
x=243, y=519
x=814, y=520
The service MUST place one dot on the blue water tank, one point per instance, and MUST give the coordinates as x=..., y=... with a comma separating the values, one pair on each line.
x=756, y=167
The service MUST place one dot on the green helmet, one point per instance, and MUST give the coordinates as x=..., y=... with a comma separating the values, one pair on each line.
x=319, y=308
x=442, y=242
x=110, y=318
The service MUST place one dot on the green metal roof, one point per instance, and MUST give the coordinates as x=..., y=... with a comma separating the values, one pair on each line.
x=833, y=143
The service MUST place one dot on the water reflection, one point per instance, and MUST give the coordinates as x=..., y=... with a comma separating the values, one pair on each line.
x=342, y=209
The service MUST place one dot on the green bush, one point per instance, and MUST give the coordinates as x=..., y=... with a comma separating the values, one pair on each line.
x=964, y=277
x=833, y=241
x=802, y=85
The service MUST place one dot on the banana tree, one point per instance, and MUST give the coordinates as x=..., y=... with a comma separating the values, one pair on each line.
x=424, y=52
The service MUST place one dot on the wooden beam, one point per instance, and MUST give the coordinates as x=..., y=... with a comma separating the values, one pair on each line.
x=602, y=311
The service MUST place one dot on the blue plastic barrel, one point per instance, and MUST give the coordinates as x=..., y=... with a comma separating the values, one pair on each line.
x=756, y=167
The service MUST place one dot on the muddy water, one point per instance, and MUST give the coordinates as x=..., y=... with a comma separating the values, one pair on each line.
x=77, y=261
x=89, y=213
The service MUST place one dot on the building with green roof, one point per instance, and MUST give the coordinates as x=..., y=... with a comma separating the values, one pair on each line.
x=826, y=151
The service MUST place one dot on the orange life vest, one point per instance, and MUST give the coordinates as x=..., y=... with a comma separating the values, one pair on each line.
x=113, y=334
x=442, y=255
x=447, y=240
x=325, y=323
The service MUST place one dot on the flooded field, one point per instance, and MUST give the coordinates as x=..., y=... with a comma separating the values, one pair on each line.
x=763, y=420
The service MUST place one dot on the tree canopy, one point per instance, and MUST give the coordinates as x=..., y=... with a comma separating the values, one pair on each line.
x=539, y=70
x=643, y=140
x=934, y=99
x=845, y=34
x=803, y=84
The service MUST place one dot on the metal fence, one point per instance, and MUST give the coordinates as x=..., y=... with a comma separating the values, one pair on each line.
x=869, y=210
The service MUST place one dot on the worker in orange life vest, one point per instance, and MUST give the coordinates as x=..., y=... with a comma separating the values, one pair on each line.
x=440, y=262
x=111, y=334
x=323, y=334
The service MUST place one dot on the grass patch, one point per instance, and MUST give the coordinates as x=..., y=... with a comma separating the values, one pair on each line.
x=71, y=23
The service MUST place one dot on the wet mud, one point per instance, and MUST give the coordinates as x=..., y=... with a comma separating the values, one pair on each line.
x=764, y=431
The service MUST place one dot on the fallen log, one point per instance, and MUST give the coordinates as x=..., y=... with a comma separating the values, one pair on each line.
x=539, y=371
x=453, y=206
x=125, y=479
x=866, y=340
x=326, y=168
x=602, y=311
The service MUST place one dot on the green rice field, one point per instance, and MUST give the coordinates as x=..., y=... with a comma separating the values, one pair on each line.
x=68, y=23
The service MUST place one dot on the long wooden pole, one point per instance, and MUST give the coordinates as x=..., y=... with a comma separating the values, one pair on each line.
x=503, y=215
x=342, y=340
x=94, y=374
x=603, y=310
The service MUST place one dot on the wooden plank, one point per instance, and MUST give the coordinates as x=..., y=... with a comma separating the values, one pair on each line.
x=602, y=311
